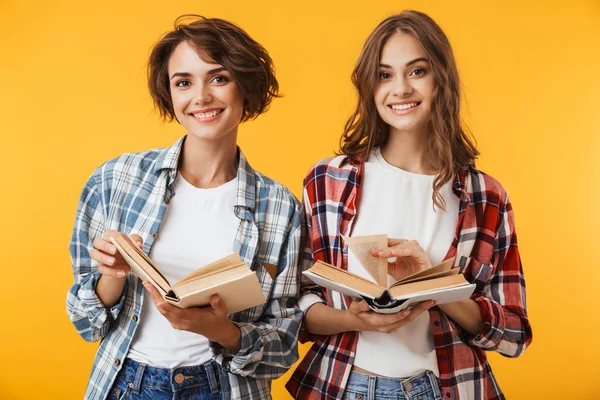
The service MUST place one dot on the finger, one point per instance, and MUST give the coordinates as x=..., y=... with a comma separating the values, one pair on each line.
x=111, y=233
x=102, y=258
x=377, y=320
x=154, y=294
x=395, y=327
x=104, y=245
x=395, y=242
x=409, y=316
x=218, y=305
x=420, y=308
x=115, y=272
x=358, y=306
x=381, y=253
x=407, y=252
x=137, y=239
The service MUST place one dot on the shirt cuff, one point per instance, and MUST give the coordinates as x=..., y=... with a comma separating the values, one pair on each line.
x=307, y=301
x=97, y=312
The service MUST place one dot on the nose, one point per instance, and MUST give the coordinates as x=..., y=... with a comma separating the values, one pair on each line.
x=203, y=95
x=401, y=87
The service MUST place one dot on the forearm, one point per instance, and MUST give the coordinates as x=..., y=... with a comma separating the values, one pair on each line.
x=109, y=290
x=466, y=314
x=321, y=319
x=230, y=338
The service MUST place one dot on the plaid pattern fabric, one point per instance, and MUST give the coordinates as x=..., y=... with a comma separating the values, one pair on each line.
x=130, y=194
x=485, y=246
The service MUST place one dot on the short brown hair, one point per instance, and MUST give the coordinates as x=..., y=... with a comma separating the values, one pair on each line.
x=450, y=145
x=216, y=41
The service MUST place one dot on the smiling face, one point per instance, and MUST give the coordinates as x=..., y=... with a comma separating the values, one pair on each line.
x=207, y=102
x=406, y=86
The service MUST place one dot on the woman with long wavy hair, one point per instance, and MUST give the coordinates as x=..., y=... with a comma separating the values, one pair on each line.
x=407, y=168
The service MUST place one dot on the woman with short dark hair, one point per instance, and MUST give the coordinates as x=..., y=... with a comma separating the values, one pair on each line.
x=187, y=206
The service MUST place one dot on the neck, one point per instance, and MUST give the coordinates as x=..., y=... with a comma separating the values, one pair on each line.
x=409, y=151
x=207, y=163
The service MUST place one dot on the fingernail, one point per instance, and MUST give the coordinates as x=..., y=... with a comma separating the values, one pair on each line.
x=120, y=274
x=111, y=249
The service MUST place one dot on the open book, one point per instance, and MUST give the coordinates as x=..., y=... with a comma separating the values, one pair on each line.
x=229, y=277
x=441, y=282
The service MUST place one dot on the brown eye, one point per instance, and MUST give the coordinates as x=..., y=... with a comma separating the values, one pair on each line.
x=183, y=84
x=384, y=75
x=417, y=72
x=220, y=79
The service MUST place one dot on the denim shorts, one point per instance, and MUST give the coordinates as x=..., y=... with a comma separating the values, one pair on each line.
x=138, y=381
x=424, y=386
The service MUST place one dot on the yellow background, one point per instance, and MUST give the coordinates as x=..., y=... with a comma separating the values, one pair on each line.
x=73, y=94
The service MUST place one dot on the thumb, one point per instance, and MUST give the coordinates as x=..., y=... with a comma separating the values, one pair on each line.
x=358, y=306
x=218, y=305
x=137, y=239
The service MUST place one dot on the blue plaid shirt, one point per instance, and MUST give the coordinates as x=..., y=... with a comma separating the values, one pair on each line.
x=130, y=194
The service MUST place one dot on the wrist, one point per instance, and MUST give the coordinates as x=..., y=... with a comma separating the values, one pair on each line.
x=112, y=280
x=351, y=322
x=230, y=337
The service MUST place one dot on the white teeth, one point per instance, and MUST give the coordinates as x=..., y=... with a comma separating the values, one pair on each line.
x=403, y=106
x=207, y=114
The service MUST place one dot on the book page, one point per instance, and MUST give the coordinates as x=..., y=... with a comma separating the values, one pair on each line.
x=412, y=288
x=238, y=291
x=442, y=269
x=231, y=261
x=140, y=264
x=361, y=247
x=333, y=277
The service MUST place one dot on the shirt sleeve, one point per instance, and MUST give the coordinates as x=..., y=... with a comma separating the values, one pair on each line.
x=85, y=310
x=500, y=293
x=269, y=347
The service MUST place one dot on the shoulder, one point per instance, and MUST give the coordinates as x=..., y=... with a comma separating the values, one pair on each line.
x=337, y=168
x=484, y=187
x=129, y=165
x=275, y=194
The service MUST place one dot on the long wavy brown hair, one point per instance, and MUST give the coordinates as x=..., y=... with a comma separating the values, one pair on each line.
x=451, y=146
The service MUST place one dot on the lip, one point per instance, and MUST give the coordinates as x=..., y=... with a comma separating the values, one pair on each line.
x=206, y=110
x=403, y=112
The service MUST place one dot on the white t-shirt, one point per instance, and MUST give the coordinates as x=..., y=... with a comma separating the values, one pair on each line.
x=399, y=203
x=199, y=227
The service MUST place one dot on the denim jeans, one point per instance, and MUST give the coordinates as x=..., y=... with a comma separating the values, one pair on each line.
x=424, y=386
x=140, y=382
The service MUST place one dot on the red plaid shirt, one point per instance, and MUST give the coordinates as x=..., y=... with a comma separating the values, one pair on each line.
x=485, y=247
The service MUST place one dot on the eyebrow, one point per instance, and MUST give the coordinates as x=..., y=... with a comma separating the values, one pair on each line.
x=408, y=64
x=187, y=74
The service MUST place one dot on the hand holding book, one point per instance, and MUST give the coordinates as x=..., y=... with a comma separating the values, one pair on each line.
x=420, y=281
x=211, y=321
x=410, y=258
x=368, y=320
x=112, y=266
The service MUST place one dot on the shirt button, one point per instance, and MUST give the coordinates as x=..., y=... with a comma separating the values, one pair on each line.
x=134, y=318
x=155, y=235
x=436, y=323
x=117, y=362
x=408, y=386
x=443, y=358
x=448, y=394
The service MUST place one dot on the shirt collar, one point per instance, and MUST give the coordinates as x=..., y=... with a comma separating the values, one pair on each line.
x=245, y=196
